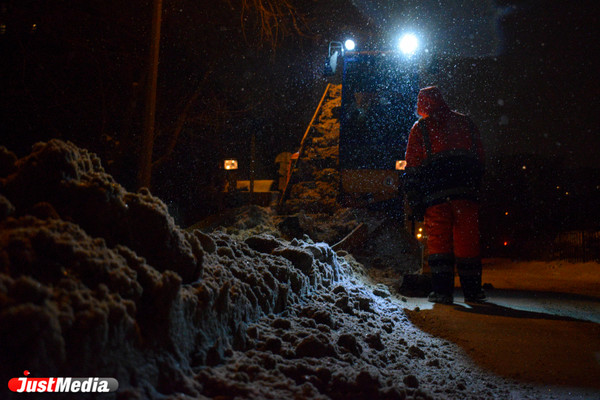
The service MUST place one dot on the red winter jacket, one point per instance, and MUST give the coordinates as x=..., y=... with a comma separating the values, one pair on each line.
x=444, y=155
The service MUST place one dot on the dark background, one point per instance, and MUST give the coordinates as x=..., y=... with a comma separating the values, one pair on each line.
x=524, y=70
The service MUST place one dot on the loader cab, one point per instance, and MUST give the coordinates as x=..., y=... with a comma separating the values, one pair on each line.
x=379, y=92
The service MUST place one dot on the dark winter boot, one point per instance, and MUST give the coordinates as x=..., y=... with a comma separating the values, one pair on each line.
x=442, y=280
x=469, y=272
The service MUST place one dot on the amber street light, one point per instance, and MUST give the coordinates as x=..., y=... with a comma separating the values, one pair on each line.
x=230, y=164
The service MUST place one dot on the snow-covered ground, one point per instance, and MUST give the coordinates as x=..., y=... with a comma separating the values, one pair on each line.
x=98, y=281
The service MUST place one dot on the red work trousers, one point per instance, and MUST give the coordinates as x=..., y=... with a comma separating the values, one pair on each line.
x=453, y=229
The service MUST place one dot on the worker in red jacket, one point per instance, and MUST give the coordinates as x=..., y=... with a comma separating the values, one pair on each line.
x=444, y=167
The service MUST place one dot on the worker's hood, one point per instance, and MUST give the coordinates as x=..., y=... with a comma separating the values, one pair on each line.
x=430, y=102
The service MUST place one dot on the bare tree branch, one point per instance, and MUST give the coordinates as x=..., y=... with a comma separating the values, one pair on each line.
x=273, y=19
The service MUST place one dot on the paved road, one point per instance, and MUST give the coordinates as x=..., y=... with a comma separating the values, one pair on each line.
x=579, y=307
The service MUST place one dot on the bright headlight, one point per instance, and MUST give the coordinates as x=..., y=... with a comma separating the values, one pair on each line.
x=349, y=44
x=408, y=44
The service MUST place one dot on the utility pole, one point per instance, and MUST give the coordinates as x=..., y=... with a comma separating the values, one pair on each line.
x=252, y=166
x=145, y=162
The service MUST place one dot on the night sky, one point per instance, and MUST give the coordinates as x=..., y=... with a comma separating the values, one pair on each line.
x=549, y=48
x=532, y=85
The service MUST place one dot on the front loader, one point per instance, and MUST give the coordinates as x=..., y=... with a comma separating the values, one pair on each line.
x=352, y=154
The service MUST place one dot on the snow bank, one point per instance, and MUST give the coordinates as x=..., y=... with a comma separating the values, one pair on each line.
x=98, y=281
x=60, y=179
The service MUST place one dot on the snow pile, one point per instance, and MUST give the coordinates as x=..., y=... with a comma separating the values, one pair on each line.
x=98, y=281
x=59, y=180
x=241, y=222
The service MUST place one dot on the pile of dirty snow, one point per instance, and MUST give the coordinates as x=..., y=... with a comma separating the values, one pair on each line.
x=99, y=281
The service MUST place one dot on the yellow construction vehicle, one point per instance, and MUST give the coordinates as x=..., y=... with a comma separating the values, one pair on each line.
x=376, y=109
x=352, y=153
